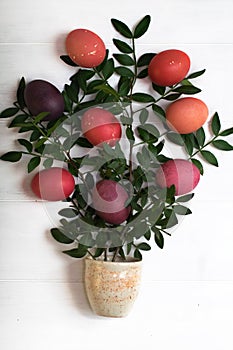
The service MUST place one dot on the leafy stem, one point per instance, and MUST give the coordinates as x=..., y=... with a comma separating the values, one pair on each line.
x=204, y=146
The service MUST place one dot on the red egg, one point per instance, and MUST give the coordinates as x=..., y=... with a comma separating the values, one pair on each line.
x=53, y=184
x=109, y=199
x=85, y=48
x=168, y=67
x=99, y=125
x=179, y=172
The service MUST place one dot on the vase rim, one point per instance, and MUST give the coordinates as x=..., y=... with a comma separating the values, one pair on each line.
x=129, y=260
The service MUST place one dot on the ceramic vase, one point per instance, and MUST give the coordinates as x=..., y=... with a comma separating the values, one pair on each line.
x=112, y=287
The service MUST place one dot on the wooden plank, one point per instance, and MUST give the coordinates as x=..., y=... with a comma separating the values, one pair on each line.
x=44, y=315
x=200, y=247
x=173, y=21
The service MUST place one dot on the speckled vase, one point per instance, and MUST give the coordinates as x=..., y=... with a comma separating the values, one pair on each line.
x=112, y=287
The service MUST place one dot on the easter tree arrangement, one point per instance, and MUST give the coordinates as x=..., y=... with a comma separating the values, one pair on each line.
x=105, y=143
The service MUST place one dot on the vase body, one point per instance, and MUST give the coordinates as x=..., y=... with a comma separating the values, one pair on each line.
x=112, y=287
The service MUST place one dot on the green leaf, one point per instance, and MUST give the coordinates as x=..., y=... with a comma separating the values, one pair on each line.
x=143, y=74
x=122, y=46
x=142, y=27
x=187, y=90
x=9, y=112
x=91, y=87
x=124, y=86
x=98, y=252
x=172, y=97
x=67, y=213
x=60, y=237
x=48, y=163
x=146, y=136
x=185, y=198
x=87, y=240
x=159, y=89
x=82, y=76
x=170, y=196
x=18, y=120
x=185, y=82
x=20, y=93
x=101, y=239
x=190, y=142
x=83, y=142
x=123, y=59
x=175, y=138
x=35, y=135
x=200, y=135
x=26, y=144
x=72, y=92
x=145, y=59
x=209, y=157
x=144, y=246
x=226, y=132
x=159, y=240
x=79, y=252
x=159, y=112
x=137, y=254
x=181, y=210
x=222, y=145
x=107, y=91
x=11, y=156
x=89, y=180
x=68, y=60
x=143, y=116
x=86, y=73
x=142, y=97
x=147, y=235
x=196, y=74
x=130, y=134
x=68, y=102
x=156, y=149
x=162, y=159
x=171, y=219
x=38, y=118
x=124, y=72
x=122, y=28
x=108, y=69
x=151, y=129
x=215, y=124
x=33, y=163
x=198, y=165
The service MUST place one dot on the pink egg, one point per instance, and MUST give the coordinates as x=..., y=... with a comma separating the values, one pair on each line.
x=53, y=184
x=179, y=172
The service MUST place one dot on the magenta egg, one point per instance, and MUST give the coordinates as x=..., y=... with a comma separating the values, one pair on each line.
x=109, y=199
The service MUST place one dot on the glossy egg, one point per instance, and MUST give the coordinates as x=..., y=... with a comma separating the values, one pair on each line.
x=85, y=48
x=169, y=67
x=99, y=125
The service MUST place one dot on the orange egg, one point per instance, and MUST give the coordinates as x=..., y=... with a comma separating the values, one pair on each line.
x=85, y=48
x=186, y=115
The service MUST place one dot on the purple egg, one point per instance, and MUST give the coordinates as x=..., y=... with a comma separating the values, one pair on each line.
x=42, y=96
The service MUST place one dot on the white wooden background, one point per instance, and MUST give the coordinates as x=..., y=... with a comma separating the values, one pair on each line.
x=186, y=298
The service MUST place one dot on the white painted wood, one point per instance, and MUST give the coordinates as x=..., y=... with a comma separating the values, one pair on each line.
x=173, y=21
x=171, y=314
x=186, y=294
